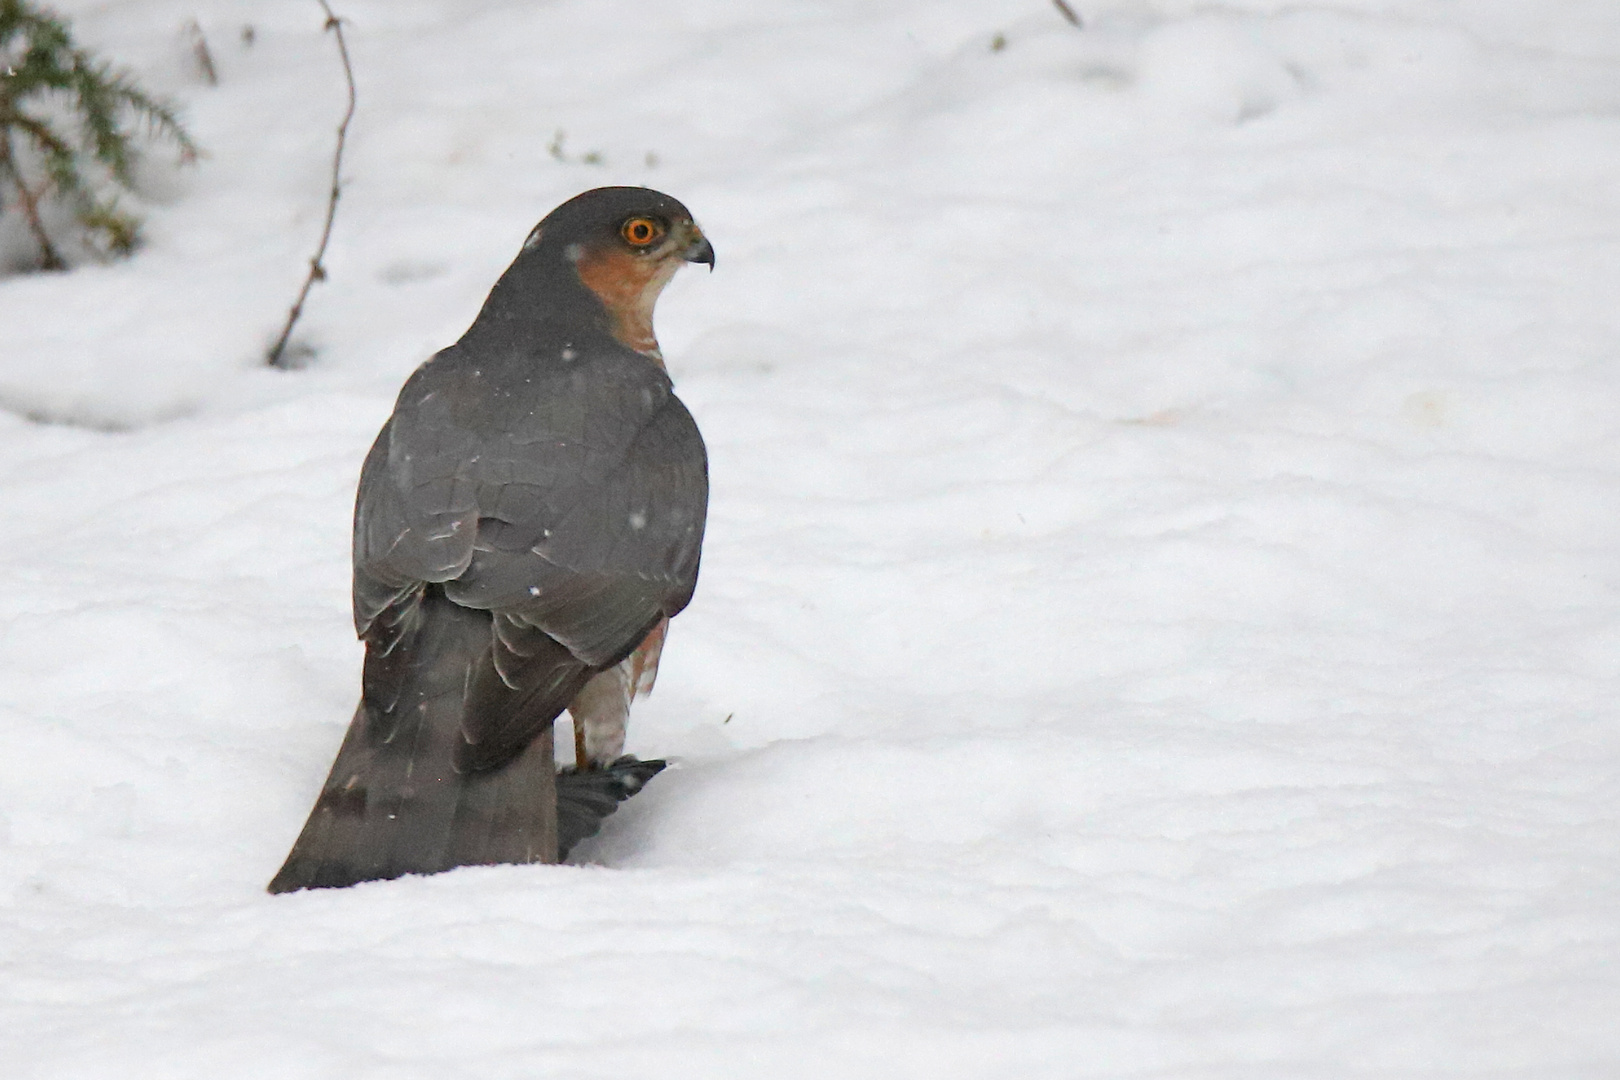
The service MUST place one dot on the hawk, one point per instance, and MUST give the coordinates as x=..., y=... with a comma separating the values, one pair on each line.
x=527, y=522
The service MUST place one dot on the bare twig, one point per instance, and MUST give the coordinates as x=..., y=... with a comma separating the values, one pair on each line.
x=49, y=259
x=317, y=272
x=1068, y=12
x=200, y=53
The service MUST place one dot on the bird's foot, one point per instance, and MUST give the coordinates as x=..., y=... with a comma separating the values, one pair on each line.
x=586, y=796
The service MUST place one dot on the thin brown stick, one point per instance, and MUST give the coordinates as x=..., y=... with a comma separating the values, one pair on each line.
x=49, y=259
x=1067, y=11
x=201, y=53
x=317, y=272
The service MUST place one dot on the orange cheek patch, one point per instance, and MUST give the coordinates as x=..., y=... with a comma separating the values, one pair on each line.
x=628, y=286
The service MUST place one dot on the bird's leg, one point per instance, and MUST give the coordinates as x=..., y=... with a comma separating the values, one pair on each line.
x=601, y=710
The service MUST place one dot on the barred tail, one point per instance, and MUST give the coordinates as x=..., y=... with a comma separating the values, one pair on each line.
x=394, y=802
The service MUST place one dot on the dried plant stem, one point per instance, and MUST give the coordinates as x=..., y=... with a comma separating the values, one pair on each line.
x=1067, y=11
x=200, y=52
x=317, y=272
x=49, y=259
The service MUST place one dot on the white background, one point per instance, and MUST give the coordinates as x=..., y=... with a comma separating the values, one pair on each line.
x=1159, y=612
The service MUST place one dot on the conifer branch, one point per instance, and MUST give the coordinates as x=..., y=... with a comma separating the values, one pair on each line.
x=38, y=64
x=317, y=272
x=49, y=258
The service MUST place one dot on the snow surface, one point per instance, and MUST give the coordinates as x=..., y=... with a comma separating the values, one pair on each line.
x=1160, y=615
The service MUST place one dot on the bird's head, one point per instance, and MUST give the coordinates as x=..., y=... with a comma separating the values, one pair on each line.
x=624, y=244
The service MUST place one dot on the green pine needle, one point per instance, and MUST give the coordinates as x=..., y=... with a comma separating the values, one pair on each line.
x=68, y=123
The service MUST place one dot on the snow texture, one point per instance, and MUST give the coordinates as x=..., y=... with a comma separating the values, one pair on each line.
x=1160, y=615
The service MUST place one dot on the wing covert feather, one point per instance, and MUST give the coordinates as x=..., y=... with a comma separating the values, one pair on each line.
x=568, y=503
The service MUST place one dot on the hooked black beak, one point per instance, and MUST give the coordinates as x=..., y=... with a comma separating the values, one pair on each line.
x=699, y=250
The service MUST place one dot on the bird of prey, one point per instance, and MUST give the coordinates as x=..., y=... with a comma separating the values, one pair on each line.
x=527, y=522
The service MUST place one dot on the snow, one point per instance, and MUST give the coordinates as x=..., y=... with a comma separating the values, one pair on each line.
x=1159, y=612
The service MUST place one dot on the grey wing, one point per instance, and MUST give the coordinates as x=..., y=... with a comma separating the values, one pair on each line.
x=415, y=521
x=612, y=560
x=416, y=510
x=595, y=561
x=577, y=547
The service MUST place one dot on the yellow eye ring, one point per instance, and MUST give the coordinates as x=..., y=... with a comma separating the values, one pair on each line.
x=641, y=231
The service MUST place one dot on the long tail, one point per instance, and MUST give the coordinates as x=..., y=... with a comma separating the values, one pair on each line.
x=394, y=802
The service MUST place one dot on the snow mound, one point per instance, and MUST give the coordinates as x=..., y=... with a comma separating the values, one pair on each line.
x=1158, y=614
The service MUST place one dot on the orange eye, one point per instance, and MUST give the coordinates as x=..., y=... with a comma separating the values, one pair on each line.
x=641, y=231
